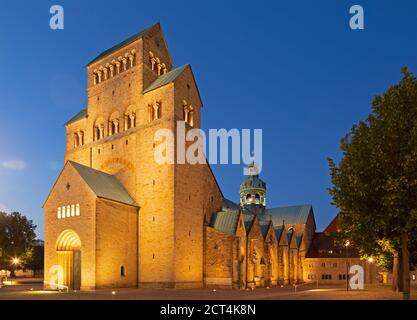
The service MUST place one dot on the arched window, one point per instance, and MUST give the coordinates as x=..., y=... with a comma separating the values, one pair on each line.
x=77, y=210
x=112, y=128
x=154, y=111
x=96, y=134
x=68, y=211
x=248, y=196
x=98, y=129
x=81, y=138
x=191, y=117
x=59, y=213
x=63, y=213
x=76, y=140
x=158, y=110
x=150, y=113
x=72, y=211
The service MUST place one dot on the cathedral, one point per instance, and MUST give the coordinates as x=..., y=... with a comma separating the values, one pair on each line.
x=115, y=218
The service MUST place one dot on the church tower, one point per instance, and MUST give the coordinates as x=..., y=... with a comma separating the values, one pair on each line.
x=253, y=192
x=134, y=90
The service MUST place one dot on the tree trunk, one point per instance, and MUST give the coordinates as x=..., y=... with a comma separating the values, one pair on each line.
x=395, y=272
x=400, y=278
x=406, y=265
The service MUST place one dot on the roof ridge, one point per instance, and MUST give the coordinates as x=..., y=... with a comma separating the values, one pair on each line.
x=123, y=43
x=166, y=78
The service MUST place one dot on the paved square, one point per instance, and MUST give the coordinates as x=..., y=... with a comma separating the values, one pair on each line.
x=308, y=292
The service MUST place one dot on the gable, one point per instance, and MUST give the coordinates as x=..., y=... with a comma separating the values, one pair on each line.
x=283, y=241
x=68, y=180
x=104, y=185
x=99, y=184
x=124, y=43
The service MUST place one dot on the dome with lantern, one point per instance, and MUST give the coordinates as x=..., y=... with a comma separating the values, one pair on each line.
x=253, y=190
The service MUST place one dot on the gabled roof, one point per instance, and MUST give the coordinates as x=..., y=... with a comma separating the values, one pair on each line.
x=229, y=205
x=324, y=245
x=122, y=44
x=103, y=185
x=165, y=78
x=290, y=215
x=80, y=115
x=225, y=221
x=248, y=222
x=333, y=225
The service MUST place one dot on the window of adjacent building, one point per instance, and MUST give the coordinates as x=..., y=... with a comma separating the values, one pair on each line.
x=342, y=276
x=123, y=271
x=323, y=264
x=335, y=265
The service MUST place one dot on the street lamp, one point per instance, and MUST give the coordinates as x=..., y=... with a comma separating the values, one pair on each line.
x=15, y=263
x=347, y=244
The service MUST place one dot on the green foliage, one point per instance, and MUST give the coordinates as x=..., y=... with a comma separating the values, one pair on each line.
x=17, y=236
x=375, y=183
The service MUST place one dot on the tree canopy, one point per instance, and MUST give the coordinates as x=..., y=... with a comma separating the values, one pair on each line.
x=375, y=183
x=17, y=238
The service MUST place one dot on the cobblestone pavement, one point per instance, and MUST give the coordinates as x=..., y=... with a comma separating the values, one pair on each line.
x=308, y=292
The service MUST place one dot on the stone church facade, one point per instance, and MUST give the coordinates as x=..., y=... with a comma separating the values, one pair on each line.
x=116, y=218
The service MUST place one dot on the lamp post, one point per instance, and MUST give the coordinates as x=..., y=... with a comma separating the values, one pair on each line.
x=347, y=244
x=370, y=260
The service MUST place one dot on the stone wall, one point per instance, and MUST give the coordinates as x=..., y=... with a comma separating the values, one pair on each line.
x=116, y=245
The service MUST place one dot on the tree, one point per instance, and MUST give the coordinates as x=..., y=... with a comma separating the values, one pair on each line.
x=17, y=235
x=375, y=183
x=35, y=262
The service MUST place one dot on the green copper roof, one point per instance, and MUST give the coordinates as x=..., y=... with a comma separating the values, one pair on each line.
x=103, y=185
x=229, y=205
x=290, y=215
x=225, y=221
x=80, y=115
x=252, y=182
x=121, y=44
x=166, y=78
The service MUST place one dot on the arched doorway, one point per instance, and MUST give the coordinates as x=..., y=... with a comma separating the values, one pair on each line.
x=68, y=250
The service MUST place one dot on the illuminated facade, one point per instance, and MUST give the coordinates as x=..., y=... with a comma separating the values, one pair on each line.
x=116, y=218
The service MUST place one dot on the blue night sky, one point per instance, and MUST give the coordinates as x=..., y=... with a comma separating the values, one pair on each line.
x=292, y=68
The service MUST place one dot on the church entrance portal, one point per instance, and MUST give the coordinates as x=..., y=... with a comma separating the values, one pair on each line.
x=68, y=250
